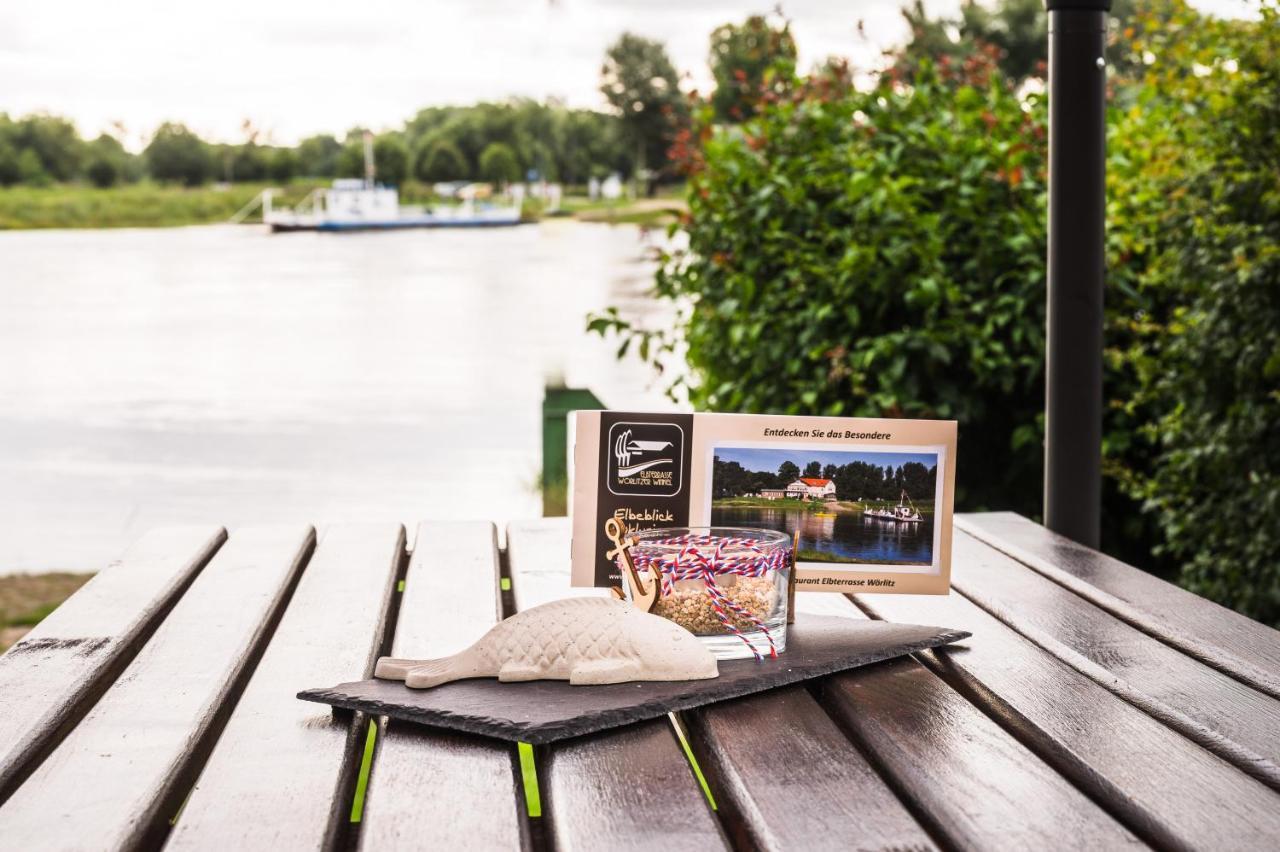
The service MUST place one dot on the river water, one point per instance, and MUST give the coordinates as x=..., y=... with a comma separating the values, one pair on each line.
x=224, y=375
x=842, y=535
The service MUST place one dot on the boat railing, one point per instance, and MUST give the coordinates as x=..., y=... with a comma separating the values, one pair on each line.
x=310, y=202
x=262, y=199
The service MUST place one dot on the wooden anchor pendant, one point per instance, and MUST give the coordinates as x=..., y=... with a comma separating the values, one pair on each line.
x=643, y=596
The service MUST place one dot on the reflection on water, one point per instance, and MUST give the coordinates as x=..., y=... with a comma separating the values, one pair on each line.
x=844, y=534
x=224, y=375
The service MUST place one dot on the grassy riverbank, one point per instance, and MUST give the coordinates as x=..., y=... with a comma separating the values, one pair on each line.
x=646, y=212
x=763, y=503
x=141, y=205
x=25, y=599
x=150, y=205
x=925, y=507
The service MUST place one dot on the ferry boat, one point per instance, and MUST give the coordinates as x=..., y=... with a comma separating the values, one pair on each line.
x=354, y=204
x=905, y=512
x=358, y=205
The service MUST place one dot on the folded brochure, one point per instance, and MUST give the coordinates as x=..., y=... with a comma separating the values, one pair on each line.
x=871, y=499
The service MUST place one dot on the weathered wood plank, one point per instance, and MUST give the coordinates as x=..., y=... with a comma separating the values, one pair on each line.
x=117, y=779
x=538, y=551
x=1229, y=718
x=784, y=776
x=282, y=772
x=50, y=678
x=967, y=778
x=1163, y=787
x=433, y=789
x=1214, y=634
x=628, y=789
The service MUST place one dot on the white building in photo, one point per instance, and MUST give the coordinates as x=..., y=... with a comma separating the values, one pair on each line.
x=812, y=488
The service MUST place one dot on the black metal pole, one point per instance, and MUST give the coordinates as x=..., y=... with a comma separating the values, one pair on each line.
x=1077, y=208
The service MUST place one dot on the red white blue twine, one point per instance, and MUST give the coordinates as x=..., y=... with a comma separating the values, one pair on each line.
x=703, y=557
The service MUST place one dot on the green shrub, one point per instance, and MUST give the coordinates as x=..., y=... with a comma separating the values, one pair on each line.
x=102, y=172
x=10, y=173
x=440, y=161
x=498, y=164
x=874, y=254
x=175, y=154
x=391, y=159
x=881, y=254
x=283, y=165
x=1208, y=369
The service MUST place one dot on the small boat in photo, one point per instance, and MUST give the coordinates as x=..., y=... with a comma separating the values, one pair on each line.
x=905, y=512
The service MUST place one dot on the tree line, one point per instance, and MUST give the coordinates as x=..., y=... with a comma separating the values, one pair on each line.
x=856, y=480
x=496, y=142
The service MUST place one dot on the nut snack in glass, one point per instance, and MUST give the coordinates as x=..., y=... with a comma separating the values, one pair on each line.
x=726, y=585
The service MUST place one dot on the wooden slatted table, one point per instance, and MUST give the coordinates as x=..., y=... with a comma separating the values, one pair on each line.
x=1094, y=707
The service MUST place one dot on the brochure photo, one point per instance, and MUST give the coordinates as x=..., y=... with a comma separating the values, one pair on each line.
x=868, y=501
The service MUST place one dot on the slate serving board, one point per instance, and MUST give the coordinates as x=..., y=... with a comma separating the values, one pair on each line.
x=545, y=711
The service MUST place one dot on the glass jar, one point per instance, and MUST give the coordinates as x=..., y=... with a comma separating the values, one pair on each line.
x=726, y=585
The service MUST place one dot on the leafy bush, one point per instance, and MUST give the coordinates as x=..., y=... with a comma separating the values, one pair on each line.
x=391, y=159
x=282, y=166
x=873, y=254
x=1206, y=362
x=498, y=164
x=178, y=155
x=440, y=161
x=744, y=60
x=102, y=172
x=9, y=171
x=881, y=254
x=318, y=156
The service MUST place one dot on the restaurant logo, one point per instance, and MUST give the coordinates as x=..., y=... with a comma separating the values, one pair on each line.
x=645, y=459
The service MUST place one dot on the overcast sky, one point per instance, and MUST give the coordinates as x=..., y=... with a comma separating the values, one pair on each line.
x=297, y=67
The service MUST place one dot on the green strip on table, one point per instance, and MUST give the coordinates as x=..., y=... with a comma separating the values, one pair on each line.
x=362, y=781
x=529, y=771
x=693, y=761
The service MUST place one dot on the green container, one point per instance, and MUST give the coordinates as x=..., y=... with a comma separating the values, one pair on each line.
x=557, y=402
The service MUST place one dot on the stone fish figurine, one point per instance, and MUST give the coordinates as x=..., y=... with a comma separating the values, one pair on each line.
x=581, y=640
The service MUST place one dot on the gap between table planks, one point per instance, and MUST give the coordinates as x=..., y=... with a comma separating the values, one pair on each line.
x=1163, y=787
x=625, y=789
x=1198, y=627
x=53, y=675
x=118, y=777
x=283, y=771
x=437, y=789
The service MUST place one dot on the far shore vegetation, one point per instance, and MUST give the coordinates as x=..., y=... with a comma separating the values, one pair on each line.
x=148, y=204
x=925, y=507
x=52, y=177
